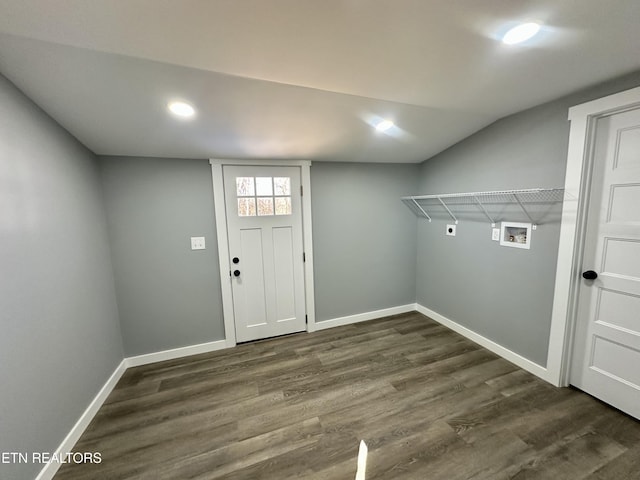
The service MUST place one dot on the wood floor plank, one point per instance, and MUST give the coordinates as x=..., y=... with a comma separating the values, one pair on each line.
x=239, y=455
x=575, y=456
x=429, y=403
x=512, y=382
x=314, y=405
x=109, y=425
x=626, y=466
x=466, y=461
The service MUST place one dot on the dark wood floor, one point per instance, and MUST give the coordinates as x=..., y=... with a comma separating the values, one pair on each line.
x=429, y=403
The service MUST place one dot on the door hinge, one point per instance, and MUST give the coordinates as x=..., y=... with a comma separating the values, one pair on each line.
x=304, y=257
x=306, y=319
x=301, y=191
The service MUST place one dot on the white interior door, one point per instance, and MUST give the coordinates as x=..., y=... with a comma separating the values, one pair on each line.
x=264, y=227
x=606, y=357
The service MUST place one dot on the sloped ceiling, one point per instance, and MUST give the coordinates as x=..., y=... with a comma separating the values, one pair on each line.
x=303, y=79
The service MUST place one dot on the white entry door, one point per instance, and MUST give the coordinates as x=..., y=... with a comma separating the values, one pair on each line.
x=606, y=358
x=264, y=226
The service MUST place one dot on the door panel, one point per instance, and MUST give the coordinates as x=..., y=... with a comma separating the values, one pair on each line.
x=623, y=308
x=606, y=356
x=621, y=257
x=251, y=304
x=613, y=359
x=625, y=200
x=264, y=224
x=284, y=273
x=628, y=147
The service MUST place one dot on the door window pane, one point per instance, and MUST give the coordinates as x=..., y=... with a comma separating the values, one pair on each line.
x=265, y=206
x=283, y=205
x=264, y=186
x=263, y=196
x=282, y=185
x=244, y=186
x=247, y=207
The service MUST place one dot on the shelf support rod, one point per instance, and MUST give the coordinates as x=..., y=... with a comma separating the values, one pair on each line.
x=493, y=223
x=533, y=224
x=447, y=209
x=421, y=209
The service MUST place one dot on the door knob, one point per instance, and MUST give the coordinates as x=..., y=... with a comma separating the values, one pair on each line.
x=589, y=275
x=235, y=260
x=236, y=273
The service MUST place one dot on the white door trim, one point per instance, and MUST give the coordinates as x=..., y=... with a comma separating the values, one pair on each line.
x=583, y=118
x=223, y=246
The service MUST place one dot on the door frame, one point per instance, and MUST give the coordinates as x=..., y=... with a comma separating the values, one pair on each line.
x=580, y=160
x=223, y=243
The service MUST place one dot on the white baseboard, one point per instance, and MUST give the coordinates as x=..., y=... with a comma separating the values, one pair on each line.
x=363, y=317
x=175, y=353
x=70, y=440
x=513, y=357
x=78, y=429
x=50, y=469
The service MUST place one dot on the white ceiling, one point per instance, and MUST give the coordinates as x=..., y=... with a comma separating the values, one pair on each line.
x=303, y=79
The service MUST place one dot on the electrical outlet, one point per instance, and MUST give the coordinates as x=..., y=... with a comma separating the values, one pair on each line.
x=451, y=230
x=197, y=243
x=495, y=234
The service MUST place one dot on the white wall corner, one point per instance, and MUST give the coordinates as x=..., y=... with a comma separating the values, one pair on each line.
x=50, y=469
x=513, y=357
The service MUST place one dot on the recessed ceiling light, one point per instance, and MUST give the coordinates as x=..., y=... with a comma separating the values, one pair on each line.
x=181, y=109
x=384, y=125
x=521, y=33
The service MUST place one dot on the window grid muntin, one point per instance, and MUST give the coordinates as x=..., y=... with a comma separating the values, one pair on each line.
x=263, y=196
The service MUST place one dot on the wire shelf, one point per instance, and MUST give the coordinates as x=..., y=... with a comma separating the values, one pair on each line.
x=534, y=203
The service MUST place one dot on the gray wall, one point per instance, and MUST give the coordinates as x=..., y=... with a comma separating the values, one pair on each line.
x=60, y=338
x=364, y=238
x=168, y=295
x=502, y=293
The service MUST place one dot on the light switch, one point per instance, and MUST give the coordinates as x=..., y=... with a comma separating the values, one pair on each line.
x=197, y=243
x=495, y=234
